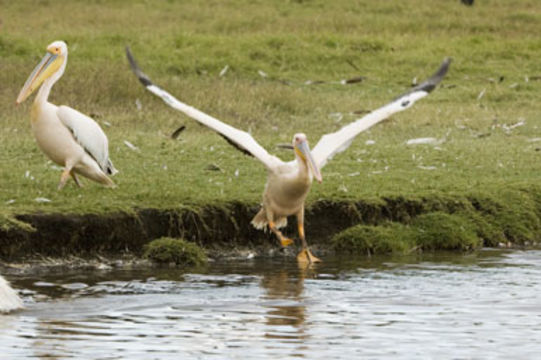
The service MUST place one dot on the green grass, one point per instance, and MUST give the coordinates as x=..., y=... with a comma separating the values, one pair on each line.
x=441, y=231
x=184, y=45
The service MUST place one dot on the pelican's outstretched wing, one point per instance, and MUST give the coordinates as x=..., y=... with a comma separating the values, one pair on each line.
x=238, y=138
x=89, y=135
x=331, y=144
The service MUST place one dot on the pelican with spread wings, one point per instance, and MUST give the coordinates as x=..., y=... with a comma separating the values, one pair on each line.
x=288, y=183
x=68, y=137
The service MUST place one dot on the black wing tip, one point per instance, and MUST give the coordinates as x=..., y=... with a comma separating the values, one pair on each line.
x=143, y=78
x=444, y=67
x=236, y=145
x=430, y=84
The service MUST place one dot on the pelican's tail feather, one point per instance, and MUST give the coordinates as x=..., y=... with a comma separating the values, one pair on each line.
x=110, y=168
x=102, y=178
x=260, y=221
x=281, y=222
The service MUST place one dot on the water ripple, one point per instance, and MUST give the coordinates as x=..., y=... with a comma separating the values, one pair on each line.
x=477, y=306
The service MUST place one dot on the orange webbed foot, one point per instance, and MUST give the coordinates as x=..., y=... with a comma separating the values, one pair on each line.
x=306, y=257
x=286, y=241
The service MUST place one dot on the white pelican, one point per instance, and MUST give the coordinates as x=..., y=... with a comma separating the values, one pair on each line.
x=289, y=182
x=9, y=300
x=67, y=137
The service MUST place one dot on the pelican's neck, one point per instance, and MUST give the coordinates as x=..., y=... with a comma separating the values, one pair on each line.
x=302, y=169
x=45, y=89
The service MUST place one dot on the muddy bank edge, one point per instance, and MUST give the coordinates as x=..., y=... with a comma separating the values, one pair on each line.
x=512, y=217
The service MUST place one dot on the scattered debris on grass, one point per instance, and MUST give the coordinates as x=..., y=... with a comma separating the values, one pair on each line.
x=481, y=94
x=224, y=70
x=131, y=146
x=425, y=140
x=177, y=132
x=213, y=167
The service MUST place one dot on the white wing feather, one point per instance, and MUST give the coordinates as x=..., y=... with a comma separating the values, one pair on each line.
x=238, y=137
x=9, y=300
x=332, y=144
x=87, y=133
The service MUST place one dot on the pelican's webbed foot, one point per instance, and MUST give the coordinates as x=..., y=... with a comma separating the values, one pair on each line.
x=306, y=257
x=285, y=241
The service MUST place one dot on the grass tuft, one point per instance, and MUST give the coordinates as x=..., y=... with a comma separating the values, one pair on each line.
x=369, y=239
x=9, y=223
x=178, y=251
x=442, y=231
x=428, y=232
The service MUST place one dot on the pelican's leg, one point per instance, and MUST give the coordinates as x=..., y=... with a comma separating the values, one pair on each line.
x=284, y=241
x=64, y=177
x=76, y=179
x=305, y=256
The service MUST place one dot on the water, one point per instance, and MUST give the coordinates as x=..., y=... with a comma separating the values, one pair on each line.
x=478, y=306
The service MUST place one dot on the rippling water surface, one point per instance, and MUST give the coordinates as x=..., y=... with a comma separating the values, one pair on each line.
x=480, y=306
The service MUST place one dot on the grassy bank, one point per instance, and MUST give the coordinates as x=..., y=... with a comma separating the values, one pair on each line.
x=363, y=227
x=461, y=223
x=486, y=113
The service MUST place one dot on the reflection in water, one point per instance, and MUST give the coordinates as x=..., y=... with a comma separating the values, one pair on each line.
x=482, y=305
x=286, y=309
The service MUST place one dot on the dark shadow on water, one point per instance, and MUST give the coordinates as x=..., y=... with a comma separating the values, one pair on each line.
x=281, y=278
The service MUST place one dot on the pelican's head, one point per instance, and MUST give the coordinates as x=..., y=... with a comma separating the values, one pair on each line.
x=53, y=63
x=302, y=151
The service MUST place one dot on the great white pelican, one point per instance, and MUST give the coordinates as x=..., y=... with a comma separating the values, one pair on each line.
x=288, y=183
x=68, y=137
x=9, y=300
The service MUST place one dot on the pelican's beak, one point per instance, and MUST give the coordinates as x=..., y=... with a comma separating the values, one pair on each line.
x=303, y=150
x=47, y=66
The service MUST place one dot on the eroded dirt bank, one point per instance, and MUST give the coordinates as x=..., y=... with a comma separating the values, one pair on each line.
x=512, y=218
x=212, y=227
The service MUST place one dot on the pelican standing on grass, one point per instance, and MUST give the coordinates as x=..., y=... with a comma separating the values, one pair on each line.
x=68, y=137
x=288, y=183
x=9, y=300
